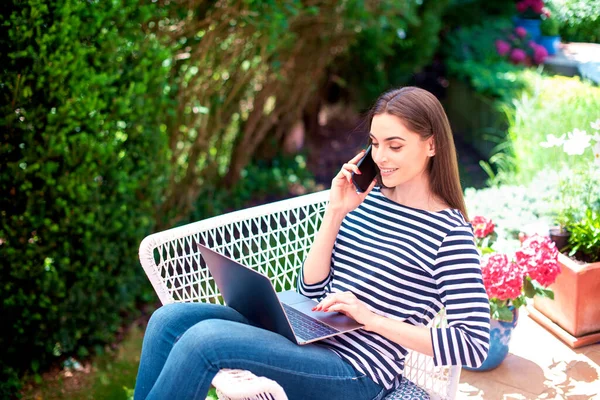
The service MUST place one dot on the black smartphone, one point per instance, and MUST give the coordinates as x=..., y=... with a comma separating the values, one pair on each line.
x=368, y=169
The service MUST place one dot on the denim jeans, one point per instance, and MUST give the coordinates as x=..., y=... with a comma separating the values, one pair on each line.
x=186, y=344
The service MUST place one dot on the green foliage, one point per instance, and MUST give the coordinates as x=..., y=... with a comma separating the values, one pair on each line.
x=81, y=159
x=585, y=236
x=244, y=72
x=500, y=311
x=550, y=26
x=465, y=13
x=472, y=57
x=387, y=53
x=579, y=19
x=556, y=105
x=262, y=181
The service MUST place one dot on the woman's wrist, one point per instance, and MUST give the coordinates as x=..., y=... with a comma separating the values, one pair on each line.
x=372, y=324
x=334, y=214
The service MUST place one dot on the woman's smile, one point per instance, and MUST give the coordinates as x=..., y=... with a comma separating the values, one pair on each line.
x=387, y=171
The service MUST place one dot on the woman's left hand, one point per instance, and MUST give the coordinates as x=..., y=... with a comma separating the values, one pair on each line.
x=347, y=304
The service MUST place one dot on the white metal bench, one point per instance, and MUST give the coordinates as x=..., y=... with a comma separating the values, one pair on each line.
x=273, y=239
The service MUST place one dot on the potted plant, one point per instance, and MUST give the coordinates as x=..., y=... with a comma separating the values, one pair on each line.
x=550, y=38
x=529, y=14
x=509, y=279
x=574, y=315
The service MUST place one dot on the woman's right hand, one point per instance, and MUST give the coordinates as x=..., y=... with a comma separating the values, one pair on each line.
x=343, y=197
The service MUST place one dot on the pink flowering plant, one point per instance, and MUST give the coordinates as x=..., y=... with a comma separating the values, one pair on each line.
x=532, y=9
x=518, y=48
x=510, y=279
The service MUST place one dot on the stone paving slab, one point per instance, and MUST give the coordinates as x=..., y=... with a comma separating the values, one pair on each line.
x=572, y=59
x=539, y=366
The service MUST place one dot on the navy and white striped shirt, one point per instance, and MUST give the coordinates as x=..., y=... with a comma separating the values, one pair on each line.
x=407, y=264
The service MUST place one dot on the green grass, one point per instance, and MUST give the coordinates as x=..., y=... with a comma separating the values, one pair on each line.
x=107, y=376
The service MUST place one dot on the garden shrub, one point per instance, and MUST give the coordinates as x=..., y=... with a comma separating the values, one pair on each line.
x=472, y=57
x=262, y=182
x=388, y=53
x=580, y=19
x=465, y=13
x=81, y=162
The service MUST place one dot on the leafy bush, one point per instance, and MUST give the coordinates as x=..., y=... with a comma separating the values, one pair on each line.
x=466, y=13
x=550, y=26
x=472, y=57
x=81, y=158
x=580, y=19
x=262, y=181
x=386, y=53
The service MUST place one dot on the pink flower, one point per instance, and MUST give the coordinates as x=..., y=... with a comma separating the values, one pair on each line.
x=539, y=257
x=482, y=226
x=517, y=56
x=520, y=31
x=522, y=6
x=537, y=6
x=502, y=47
x=539, y=54
x=503, y=279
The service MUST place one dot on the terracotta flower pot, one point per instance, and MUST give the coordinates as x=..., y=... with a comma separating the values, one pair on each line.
x=576, y=306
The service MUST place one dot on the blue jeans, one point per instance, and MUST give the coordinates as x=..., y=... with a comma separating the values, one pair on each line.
x=186, y=344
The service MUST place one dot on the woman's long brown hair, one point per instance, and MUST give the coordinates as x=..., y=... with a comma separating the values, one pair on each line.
x=422, y=113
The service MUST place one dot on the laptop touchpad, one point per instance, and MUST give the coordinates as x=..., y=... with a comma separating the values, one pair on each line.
x=333, y=319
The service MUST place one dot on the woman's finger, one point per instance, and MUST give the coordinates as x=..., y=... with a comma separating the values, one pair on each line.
x=357, y=157
x=351, y=167
x=341, y=308
x=329, y=300
x=348, y=175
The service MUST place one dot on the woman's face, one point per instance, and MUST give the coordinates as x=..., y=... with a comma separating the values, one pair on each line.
x=400, y=154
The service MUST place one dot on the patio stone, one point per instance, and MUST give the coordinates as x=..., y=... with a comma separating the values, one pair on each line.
x=539, y=366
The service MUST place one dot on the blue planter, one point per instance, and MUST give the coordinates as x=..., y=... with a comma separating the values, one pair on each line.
x=550, y=43
x=532, y=26
x=500, y=334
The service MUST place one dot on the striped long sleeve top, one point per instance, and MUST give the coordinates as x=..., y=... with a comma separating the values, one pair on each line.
x=407, y=264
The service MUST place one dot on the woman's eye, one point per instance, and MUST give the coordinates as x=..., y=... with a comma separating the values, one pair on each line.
x=374, y=145
x=396, y=148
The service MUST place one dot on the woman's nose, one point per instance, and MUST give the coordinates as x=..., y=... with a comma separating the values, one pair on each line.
x=379, y=156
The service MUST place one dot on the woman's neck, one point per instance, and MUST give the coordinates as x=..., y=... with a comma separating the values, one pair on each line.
x=415, y=194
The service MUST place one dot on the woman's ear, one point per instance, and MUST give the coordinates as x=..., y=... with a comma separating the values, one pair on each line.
x=431, y=152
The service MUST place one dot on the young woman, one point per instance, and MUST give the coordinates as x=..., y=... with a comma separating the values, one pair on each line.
x=390, y=258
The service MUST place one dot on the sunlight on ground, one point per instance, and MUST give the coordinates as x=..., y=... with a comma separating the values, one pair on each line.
x=108, y=376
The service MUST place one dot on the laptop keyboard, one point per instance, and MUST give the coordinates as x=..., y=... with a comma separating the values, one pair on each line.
x=305, y=327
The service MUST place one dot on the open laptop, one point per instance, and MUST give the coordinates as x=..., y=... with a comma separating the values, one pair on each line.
x=288, y=313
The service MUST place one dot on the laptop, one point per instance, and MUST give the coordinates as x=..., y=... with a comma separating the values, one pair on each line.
x=288, y=313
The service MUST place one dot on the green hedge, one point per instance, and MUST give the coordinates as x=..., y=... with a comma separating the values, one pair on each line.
x=81, y=156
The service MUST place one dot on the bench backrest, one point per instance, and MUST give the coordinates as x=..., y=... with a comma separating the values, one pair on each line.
x=273, y=239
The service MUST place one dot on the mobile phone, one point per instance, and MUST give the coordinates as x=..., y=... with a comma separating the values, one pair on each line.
x=368, y=171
